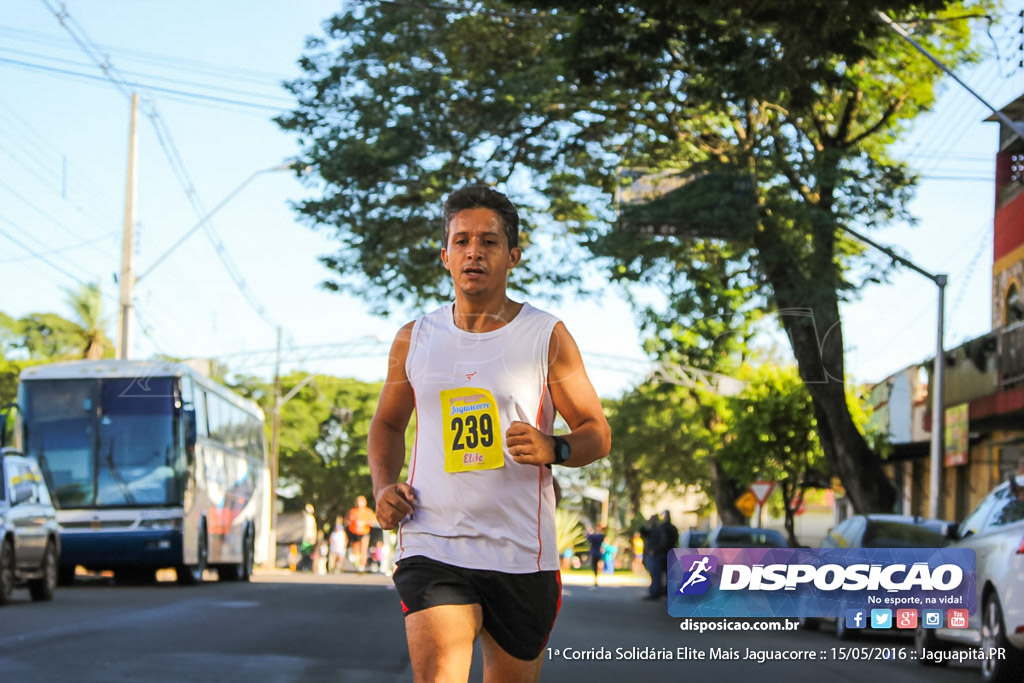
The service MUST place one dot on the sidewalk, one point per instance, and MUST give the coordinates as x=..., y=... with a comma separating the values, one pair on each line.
x=576, y=578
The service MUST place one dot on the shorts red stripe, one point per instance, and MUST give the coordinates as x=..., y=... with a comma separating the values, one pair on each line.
x=558, y=607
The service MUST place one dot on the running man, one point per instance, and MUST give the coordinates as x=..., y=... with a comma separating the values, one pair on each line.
x=477, y=556
x=360, y=523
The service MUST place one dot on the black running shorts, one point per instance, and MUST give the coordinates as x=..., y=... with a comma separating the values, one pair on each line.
x=519, y=609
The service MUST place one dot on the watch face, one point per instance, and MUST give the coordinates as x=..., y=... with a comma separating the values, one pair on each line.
x=561, y=450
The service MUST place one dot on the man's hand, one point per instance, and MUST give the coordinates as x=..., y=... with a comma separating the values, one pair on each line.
x=394, y=503
x=528, y=445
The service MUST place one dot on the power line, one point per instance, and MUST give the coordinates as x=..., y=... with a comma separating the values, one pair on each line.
x=166, y=142
x=233, y=73
x=72, y=247
x=42, y=256
x=147, y=76
x=41, y=212
x=28, y=140
x=135, y=85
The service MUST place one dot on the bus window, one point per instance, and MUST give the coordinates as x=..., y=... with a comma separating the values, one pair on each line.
x=59, y=426
x=255, y=440
x=199, y=404
x=137, y=448
x=218, y=416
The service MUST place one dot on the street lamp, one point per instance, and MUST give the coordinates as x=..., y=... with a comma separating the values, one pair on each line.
x=129, y=280
x=938, y=376
x=291, y=165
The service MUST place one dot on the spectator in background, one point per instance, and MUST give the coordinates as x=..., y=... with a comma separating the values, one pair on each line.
x=339, y=545
x=596, y=539
x=655, y=547
x=608, y=551
x=637, y=546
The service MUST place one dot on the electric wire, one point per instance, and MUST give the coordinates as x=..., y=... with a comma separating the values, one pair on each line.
x=147, y=77
x=138, y=85
x=58, y=250
x=232, y=73
x=40, y=255
x=166, y=142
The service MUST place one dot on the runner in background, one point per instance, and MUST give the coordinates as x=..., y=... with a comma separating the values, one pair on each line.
x=360, y=522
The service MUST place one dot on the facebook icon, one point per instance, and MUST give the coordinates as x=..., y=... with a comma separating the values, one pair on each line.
x=856, y=618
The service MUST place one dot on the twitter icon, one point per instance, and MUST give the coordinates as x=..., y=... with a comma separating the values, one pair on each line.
x=881, y=618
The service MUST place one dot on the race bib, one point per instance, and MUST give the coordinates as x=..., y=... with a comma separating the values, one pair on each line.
x=472, y=432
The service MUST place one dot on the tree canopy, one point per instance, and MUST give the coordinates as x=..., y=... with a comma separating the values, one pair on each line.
x=772, y=437
x=323, y=438
x=801, y=101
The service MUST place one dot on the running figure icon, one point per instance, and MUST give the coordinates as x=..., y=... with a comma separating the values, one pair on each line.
x=697, y=570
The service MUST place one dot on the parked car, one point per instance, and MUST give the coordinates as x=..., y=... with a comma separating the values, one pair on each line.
x=29, y=533
x=692, y=538
x=744, y=537
x=995, y=531
x=889, y=531
x=881, y=531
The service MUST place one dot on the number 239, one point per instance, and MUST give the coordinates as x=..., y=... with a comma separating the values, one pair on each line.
x=477, y=432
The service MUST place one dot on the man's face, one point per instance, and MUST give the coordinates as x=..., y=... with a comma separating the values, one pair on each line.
x=477, y=253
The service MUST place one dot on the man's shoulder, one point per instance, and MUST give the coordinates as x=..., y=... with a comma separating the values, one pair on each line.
x=532, y=311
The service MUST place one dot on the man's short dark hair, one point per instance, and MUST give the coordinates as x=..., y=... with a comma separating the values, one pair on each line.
x=483, y=197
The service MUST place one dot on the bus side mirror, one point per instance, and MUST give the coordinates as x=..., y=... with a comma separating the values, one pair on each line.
x=189, y=414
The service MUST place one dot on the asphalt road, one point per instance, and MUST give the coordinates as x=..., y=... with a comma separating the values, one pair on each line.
x=285, y=628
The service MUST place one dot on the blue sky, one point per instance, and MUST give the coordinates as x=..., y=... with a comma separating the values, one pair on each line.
x=62, y=186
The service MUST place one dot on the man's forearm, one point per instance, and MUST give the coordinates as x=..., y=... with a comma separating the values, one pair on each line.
x=588, y=442
x=385, y=449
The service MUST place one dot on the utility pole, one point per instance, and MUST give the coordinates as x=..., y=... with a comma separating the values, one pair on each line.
x=124, y=312
x=938, y=451
x=275, y=452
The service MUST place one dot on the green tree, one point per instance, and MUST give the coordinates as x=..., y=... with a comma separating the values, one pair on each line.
x=87, y=305
x=661, y=435
x=9, y=334
x=401, y=103
x=324, y=427
x=772, y=436
x=48, y=336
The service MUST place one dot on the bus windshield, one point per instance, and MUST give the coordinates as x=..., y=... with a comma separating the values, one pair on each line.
x=106, y=443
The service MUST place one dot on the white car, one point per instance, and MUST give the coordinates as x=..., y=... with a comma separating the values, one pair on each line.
x=995, y=531
x=29, y=533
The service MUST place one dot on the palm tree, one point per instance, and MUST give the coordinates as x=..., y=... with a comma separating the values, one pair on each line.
x=87, y=305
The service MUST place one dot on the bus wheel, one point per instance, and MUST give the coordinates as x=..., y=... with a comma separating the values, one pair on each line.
x=243, y=570
x=191, y=574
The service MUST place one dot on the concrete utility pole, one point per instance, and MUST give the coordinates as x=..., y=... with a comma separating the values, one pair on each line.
x=275, y=452
x=124, y=312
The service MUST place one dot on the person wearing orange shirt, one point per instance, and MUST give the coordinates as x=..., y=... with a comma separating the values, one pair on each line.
x=360, y=521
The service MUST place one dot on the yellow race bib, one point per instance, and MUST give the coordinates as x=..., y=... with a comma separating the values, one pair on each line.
x=472, y=432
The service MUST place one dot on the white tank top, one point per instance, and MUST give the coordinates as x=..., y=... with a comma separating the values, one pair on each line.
x=496, y=513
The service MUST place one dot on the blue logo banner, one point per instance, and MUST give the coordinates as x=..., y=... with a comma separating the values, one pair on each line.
x=811, y=582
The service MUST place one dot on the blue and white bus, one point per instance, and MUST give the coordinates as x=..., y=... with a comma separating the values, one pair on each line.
x=152, y=465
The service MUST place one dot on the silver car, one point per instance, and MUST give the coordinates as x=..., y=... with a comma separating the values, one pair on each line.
x=995, y=531
x=29, y=533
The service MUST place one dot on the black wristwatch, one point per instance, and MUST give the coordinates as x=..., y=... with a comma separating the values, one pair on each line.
x=562, y=450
